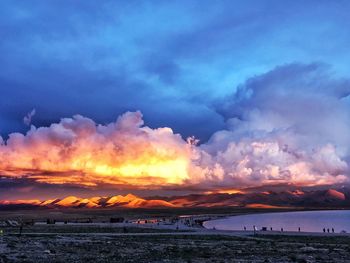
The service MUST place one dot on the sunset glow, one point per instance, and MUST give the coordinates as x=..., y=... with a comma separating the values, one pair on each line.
x=128, y=155
x=174, y=131
x=77, y=152
x=112, y=100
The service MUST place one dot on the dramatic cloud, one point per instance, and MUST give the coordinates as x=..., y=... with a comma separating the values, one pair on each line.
x=77, y=151
x=290, y=125
x=159, y=57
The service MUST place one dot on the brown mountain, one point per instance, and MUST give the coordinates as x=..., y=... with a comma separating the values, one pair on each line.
x=296, y=198
x=267, y=199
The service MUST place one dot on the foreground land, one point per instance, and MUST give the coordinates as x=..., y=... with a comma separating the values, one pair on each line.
x=155, y=246
x=100, y=241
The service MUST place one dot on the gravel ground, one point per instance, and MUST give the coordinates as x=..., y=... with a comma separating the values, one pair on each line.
x=172, y=248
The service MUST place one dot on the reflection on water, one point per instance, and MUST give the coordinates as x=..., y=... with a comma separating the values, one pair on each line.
x=310, y=221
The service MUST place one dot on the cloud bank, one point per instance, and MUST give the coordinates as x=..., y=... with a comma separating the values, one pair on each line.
x=123, y=54
x=290, y=125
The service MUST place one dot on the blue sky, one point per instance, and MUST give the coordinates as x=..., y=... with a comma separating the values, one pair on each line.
x=263, y=84
x=173, y=60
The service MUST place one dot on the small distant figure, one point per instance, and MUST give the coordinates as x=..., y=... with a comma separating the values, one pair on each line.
x=324, y=230
x=245, y=229
x=20, y=229
x=298, y=229
x=271, y=228
x=328, y=230
x=281, y=229
x=332, y=230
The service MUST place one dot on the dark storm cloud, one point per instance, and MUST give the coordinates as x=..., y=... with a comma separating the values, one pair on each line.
x=76, y=58
x=103, y=58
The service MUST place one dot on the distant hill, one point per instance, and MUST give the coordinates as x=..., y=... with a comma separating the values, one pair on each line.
x=324, y=198
x=128, y=201
x=296, y=198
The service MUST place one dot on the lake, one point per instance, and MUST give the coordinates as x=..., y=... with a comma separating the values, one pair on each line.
x=309, y=221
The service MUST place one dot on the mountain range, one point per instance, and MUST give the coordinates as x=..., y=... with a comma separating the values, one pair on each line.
x=267, y=199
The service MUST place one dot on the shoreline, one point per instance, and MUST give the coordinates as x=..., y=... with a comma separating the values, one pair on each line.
x=278, y=232
x=162, y=231
x=178, y=227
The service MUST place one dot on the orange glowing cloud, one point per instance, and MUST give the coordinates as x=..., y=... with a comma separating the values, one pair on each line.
x=77, y=151
x=126, y=154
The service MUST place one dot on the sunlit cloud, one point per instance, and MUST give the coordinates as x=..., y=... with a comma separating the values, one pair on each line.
x=275, y=134
x=77, y=151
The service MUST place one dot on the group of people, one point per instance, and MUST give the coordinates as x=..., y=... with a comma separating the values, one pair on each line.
x=328, y=230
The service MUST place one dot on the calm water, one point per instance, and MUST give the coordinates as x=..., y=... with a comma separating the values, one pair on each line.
x=311, y=221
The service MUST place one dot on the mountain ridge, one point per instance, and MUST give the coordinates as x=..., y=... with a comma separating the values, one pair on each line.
x=265, y=199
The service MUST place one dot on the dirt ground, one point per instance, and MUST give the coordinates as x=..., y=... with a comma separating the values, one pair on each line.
x=103, y=242
x=171, y=248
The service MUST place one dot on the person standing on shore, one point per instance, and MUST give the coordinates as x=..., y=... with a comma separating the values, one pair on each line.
x=20, y=229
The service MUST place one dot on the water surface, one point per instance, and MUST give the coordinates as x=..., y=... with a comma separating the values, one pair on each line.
x=310, y=221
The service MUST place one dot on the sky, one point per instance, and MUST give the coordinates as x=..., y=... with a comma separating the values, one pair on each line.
x=99, y=97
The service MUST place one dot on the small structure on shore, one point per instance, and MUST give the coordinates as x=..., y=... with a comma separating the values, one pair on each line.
x=116, y=220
